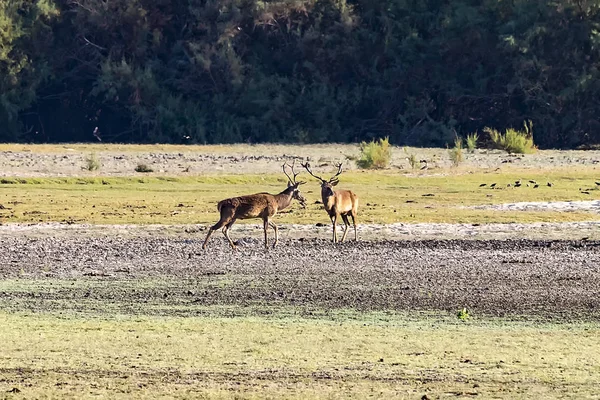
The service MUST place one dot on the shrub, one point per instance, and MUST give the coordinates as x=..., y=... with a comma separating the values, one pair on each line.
x=92, y=163
x=514, y=141
x=471, y=141
x=456, y=154
x=143, y=168
x=375, y=154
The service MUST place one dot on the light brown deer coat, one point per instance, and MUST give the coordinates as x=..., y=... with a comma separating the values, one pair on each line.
x=337, y=203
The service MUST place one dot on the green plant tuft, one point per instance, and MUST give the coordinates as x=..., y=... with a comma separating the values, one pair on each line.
x=456, y=154
x=471, y=141
x=514, y=141
x=375, y=155
x=412, y=159
x=92, y=163
x=463, y=314
x=143, y=168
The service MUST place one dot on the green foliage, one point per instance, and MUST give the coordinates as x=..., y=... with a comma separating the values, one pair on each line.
x=463, y=314
x=92, y=162
x=143, y=168
x=514, y=141
x=456, y=154
x=471, y=141
x=297, y=71
x=375, y=155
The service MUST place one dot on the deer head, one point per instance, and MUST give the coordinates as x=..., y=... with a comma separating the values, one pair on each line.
x=326, y=185
x=293, y=184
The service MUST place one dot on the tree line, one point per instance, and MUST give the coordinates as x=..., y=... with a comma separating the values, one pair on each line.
x=420, y=72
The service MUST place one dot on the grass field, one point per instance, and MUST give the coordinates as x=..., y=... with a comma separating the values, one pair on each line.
x=347, y=355
x=385, y=197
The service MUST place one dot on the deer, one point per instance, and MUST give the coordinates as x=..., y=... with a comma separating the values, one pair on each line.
x=260, y=205
x=337, y=203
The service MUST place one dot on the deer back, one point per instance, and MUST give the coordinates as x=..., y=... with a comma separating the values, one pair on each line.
x=250, y=206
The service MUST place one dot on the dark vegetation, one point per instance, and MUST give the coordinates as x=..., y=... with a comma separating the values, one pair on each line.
x=209, y=71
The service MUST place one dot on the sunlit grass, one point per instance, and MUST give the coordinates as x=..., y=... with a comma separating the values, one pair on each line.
x=385, y=197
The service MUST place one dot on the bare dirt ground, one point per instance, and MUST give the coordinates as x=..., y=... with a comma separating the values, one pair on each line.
x=541, y=279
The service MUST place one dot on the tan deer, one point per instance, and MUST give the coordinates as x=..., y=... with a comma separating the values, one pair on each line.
x=259, y=205
x=337, y=203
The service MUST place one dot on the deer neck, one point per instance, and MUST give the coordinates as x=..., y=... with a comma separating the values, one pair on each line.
x=284, y=199
x=328, y=200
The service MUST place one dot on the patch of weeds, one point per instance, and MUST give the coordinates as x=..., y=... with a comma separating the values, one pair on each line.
x=456, y=154
x=514, y=141
x=471, y=141
x=463, y=314
x=412, y=159
x=375, y=155
x=143, y=168
x=92, y=162
x=8, y=181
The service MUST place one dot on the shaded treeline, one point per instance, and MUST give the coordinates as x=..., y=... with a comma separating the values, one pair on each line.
x=210, y=71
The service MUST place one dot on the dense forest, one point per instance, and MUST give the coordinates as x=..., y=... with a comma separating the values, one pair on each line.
x=220, y=71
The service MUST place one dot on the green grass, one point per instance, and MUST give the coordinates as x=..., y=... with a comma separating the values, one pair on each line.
x=382, y=356
x=385, y=197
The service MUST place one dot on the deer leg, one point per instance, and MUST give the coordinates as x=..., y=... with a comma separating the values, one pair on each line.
x=354, y=223
x=276, y=235
x=226, y=219
x=334, y=222
x=266, y=227
x=226, y=233
x=346, y=226
x=212, y=229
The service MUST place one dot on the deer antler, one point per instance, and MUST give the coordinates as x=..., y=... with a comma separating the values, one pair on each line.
x=334, y=178
x=306, y=166
x=295, y=174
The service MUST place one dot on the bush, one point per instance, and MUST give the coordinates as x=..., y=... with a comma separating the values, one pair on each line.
x=456, y=154
x=514, y=141
x=471, y=142
x=143, y=168
x=375, y=154
x=92, y=163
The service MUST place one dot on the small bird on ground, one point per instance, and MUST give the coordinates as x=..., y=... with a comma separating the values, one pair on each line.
x=550, y=184
x=518, y=182
x=483, y=184
x=508, y=185
x=536, y=186
x=493, y=185
x=585, y=192
x=597, y=183
x=532, y=181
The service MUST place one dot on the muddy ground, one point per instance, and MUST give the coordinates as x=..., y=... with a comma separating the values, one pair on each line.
x=540, y=279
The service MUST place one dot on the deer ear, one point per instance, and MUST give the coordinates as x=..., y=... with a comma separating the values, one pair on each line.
x=290, y=184
x=334, y=183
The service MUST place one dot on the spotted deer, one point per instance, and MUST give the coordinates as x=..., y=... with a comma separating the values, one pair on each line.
x=259, y=205
x=337, y=203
